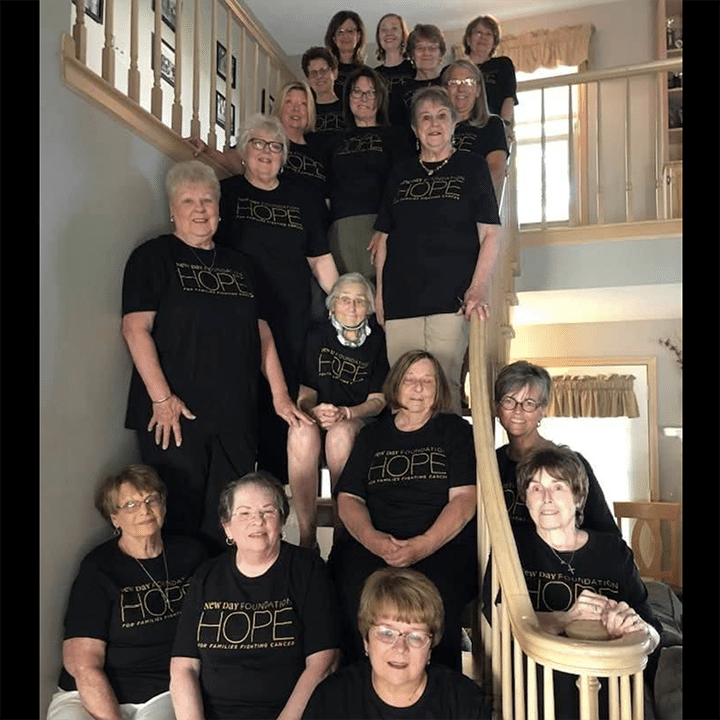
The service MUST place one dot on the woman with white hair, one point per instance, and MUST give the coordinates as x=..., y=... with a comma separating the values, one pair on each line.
x=345, y=365
x=278, y=224
x=190, y=321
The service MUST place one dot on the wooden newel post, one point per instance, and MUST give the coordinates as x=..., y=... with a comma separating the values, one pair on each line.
x=589, y=687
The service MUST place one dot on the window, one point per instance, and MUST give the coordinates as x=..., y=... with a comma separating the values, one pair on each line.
x=545, y=177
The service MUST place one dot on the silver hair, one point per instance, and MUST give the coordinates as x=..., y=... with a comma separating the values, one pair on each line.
x=519, y=374
x=434, y=94
x=480, y=114
x=191, y=172
x=258, y=478
x=347, y=279
x=267, y=123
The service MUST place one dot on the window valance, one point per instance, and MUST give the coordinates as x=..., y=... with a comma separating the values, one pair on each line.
x=593, y=396
x=548, y=48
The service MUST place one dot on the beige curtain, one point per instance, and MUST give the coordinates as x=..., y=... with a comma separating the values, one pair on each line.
x=593, y=396
x=548, y=48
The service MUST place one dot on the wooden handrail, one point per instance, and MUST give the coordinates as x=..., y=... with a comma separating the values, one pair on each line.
x=587, y=658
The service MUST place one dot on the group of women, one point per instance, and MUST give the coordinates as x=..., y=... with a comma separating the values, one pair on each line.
x=198, y=608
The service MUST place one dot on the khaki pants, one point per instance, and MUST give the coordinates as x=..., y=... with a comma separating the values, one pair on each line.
x=445, y=336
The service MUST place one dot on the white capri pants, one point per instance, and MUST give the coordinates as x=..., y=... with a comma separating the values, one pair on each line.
x=66, y=705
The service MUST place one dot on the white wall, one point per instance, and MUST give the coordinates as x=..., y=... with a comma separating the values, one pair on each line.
x=622, y=339
x=101, y=195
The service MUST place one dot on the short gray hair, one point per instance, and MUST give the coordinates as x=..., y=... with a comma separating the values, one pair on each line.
x=433, y=94
x=191, y=172
x=348, y=279
x=519, y=374
x=260, y=479
x=267, y=123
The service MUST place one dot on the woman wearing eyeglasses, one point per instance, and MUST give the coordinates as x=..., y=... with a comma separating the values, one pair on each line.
x=124, y=607
x=359, y=165
x=277, y=223
x=345, y=39
x=258, y=629
x=344, y=368
x=400, y=620
x=426, y=48
x=476, y=130
x=482, y=36
x=522, y=392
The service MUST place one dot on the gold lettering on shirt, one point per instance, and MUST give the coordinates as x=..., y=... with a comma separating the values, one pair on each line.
x=340, y=367
x=369, y=142
x=429, y=463
x=286, y=216
x=145, y=604
x=303, y=165
x=430, y=188
x=551, y=591
x=215, y=281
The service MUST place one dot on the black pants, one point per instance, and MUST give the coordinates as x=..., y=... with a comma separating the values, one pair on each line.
x=195, y=474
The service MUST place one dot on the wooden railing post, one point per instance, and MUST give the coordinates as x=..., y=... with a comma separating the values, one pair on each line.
x=133, y=71
x=176, y=112
x=79, y=32
x=108, y=52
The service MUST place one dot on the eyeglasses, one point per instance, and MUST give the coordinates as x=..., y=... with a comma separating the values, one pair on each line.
x=246, y=516
x=348, y=301
x=434, y=47
x=273, y=145
x=415, y=639
x=132, y=506
x=364, y=94
x=319, y=73
x=528, y=405
x=462, y=81
x=346, y=31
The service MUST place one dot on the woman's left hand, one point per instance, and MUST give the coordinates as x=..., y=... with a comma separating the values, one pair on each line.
x=475, y=300
x=328, y=414
x=407, y=552
x=620, y=619
x=290, y=412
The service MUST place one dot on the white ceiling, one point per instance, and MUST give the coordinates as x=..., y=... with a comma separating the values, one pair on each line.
x=297, y=25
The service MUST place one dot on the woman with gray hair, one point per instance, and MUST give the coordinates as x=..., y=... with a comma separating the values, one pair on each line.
x=191, y=325
x=344, y=368
x=278, y=224
x=477, y=130
x=522, y=393
x=259, y=627
x=435, y=243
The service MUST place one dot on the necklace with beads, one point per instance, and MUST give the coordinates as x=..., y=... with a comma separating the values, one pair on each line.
x=432, y=171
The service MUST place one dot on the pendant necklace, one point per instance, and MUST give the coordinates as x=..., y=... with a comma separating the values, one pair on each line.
x=567, y=563
x=155, y=582
x=212, y=264
x=432, y=171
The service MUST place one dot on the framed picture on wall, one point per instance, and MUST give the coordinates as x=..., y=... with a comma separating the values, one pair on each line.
x=267, y=102
x=167, y=60
x=221, y=53
x=94, y=8
x=168, y=9
x=220, y=112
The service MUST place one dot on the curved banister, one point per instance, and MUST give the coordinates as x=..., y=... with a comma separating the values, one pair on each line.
x=589, y=658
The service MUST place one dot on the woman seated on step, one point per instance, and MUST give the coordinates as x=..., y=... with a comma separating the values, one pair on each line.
x=345, y=366
x=124, y=608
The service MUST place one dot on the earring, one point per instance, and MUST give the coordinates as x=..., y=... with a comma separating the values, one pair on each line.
x=229, y=541
x=417, y=144
x=116, y=531
x=172, y=218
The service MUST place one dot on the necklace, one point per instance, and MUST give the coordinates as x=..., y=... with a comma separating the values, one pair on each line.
x=432, y=171
x=155, y=582
x=212, y=264
x=567, y=563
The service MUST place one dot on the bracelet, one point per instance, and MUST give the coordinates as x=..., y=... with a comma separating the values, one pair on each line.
x=157, y=402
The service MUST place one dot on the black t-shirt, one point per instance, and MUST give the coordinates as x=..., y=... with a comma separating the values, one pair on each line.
x=500, y=82
x=597, y=515
x=343, y=375
x=606, y=566
x=205, y=331
x=252, y=634
x=306, y=162
x=349, y=694
x=360, y=162
x=481, y=140
x=278, y=230
x=405, y=477
x=113, y=600
x=344, y=69
x=329, y=118
x=433, y=244
x=401, y=97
